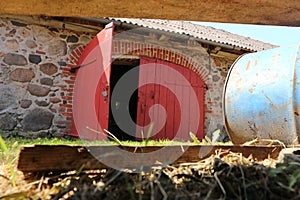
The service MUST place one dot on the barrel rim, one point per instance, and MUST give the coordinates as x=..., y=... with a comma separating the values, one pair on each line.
x=227, y=128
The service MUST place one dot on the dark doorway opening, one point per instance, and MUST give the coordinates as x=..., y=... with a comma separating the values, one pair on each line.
x=123, y=99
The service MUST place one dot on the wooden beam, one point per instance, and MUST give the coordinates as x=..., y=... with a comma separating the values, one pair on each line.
x=223, y=54
x=38, y=158
x=272, y=12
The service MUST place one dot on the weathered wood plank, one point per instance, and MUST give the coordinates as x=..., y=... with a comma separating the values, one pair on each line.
x=36, y=158
x=270, y=12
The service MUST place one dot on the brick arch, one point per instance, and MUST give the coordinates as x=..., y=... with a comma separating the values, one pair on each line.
x=147, y=50
x=66, y=107
x=161, y=53
x=122, y=48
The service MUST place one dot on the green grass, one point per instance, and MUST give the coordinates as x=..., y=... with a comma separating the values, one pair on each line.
x=17, y=142
x=10, y=146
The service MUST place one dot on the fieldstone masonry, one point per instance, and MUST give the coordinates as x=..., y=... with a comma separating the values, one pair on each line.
x=14, y=59
x=36, y=85
x=22, y=75
x=32, y=59
x=8, y=99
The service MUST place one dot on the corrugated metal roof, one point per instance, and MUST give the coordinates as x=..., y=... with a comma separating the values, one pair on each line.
x=200, y=32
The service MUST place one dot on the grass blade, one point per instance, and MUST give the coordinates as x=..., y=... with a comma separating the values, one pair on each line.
x=194, y=138
x=3, y=145
x=149, y=133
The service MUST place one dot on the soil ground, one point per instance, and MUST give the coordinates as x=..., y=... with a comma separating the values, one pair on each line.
x=225, y=175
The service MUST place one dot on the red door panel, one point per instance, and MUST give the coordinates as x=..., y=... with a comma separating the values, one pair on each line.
x=162, y=83
x=91, y=90
x=172, y=104
x=199, y=89
x=145, y=97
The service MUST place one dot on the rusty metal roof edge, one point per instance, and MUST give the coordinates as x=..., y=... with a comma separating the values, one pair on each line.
x=229, y=45
x=167, y=26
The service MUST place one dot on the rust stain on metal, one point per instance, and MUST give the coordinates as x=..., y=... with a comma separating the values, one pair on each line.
x=297, y=111
x=248, y=65
x=255, y=63
x=271, y=102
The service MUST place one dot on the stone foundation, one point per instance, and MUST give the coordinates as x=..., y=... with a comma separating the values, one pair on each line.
x=32, y=59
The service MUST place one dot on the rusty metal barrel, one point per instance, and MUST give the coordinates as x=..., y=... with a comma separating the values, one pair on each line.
x=261, y=98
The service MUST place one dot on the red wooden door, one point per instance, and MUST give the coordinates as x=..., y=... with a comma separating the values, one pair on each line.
x=91, y=90
x=179, y=92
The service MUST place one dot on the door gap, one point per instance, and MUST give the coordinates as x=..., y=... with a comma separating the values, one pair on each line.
x=122, y=115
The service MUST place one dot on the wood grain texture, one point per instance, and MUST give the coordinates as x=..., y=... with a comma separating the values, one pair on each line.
x=272, y=12
x=39, y=158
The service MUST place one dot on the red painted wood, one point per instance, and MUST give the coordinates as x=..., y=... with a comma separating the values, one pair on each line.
x=163, y=98
x=172, y=105
x=155, y=96
x=186, y=112
x=90, y=107
x=199, y=88
x=170, y=92
x=196, y=128
x=145, y=97
x=177, y=107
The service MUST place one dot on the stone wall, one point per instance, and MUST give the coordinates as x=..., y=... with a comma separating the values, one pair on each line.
x=32, y=59
x=36, y=85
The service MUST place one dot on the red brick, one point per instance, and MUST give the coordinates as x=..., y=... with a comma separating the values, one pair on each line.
x=122, y=46
x=135, y=46
x=115, y=48
x=64, y=75
x=81, y=48
x=149, y=53
x=70, y=81
x=67, y=89
x=66, y=105
x=167, y=55
x=72, y=58
x=61, y=122
x=66, y=114
x=67, y=97
x=68, y=126
x=155, y=52
x=78, y=52
x=70, y=118
x=40, y=52
x=72, y=74
x=69, y=66
x=66, y=72
x=141, y=50
x=129, y=47
x=61, y=109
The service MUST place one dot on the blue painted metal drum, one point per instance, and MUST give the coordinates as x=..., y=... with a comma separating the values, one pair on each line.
x=261, y=96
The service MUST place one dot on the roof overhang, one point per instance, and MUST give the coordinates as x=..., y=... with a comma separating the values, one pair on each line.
x=93, y=25
x=271, y=12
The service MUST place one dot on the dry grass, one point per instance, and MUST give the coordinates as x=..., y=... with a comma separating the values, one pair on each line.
x=225, y=175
